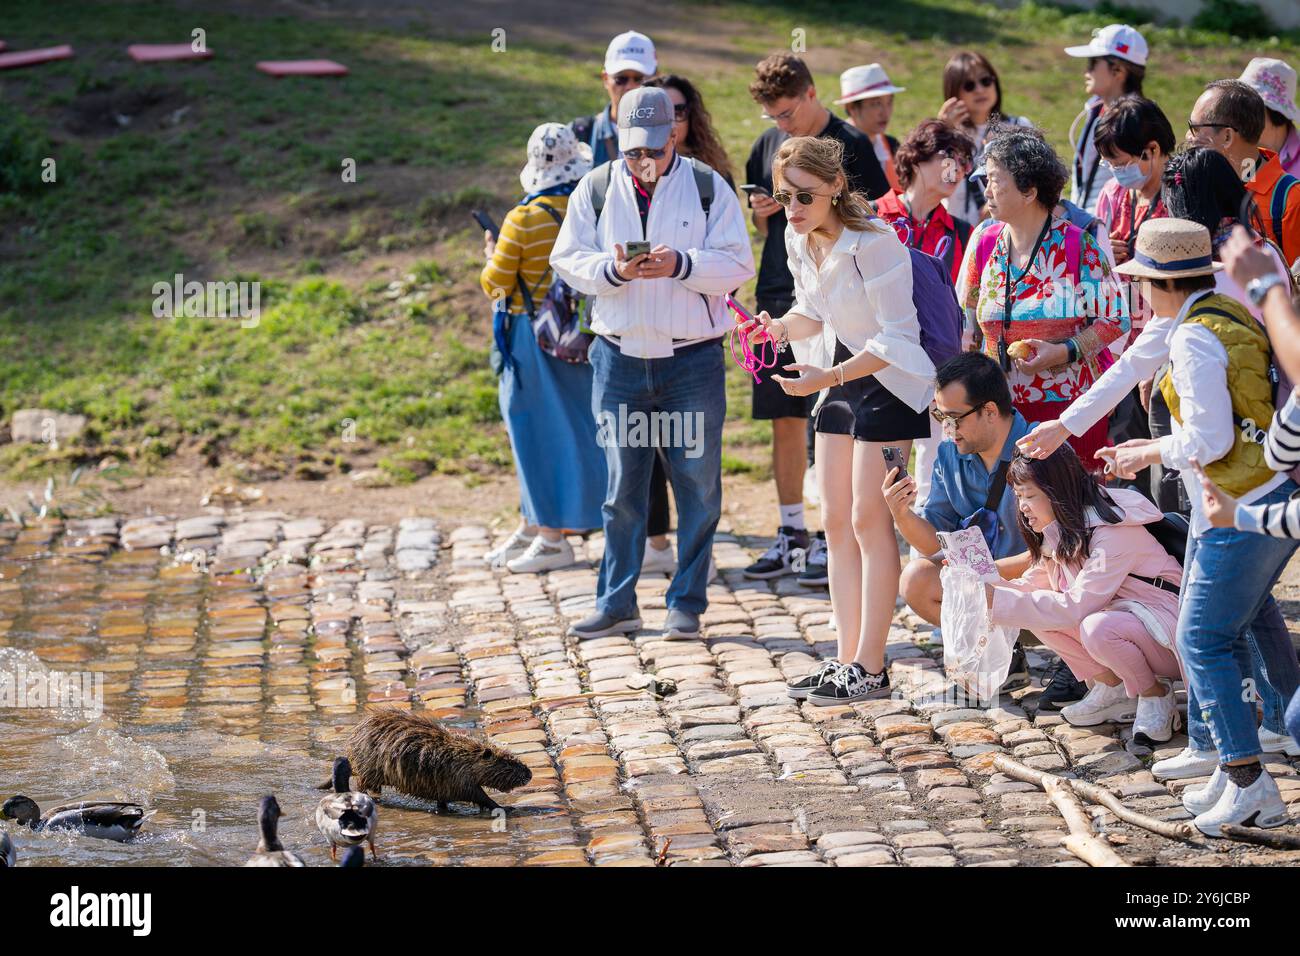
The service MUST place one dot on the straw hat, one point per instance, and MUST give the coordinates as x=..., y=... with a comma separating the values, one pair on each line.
x=1171, y=249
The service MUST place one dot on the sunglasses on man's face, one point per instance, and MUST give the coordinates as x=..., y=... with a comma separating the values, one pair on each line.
x=952, y=421
x=804, y=197
x=1195, y=128
x=638, y=154
x=623, y=79
x=985, y=81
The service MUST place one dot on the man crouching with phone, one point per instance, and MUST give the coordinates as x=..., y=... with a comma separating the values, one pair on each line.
x=972, y=402
x=658, y=240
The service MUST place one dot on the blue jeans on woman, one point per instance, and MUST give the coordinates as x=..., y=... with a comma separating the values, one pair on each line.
x=1228, y=616
x=677, y=404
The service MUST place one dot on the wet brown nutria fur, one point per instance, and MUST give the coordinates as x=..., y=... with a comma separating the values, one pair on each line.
x=417, y=755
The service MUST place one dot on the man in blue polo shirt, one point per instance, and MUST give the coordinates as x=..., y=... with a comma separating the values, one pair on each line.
x=980, y=428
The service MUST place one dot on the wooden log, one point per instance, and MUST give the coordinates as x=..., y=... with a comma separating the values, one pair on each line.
x=1276, y=841
x=1082, y=842
x=1181, y=830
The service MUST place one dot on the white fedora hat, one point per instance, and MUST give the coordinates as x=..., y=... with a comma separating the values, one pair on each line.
x=862, y=82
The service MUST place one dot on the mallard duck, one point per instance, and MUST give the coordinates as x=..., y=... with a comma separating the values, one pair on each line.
x=346, y=817
x=353, y=856
x=102, y=819
x=270, y=852
x=9, y=858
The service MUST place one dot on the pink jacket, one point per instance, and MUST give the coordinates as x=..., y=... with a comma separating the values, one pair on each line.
x=1053, y=597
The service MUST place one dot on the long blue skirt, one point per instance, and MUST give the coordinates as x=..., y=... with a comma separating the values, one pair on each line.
x=546, y=405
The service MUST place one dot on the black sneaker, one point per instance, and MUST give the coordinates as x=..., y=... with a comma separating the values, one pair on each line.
x=814, y=574
x=803, y=687
x=1060, y=687
x=776, y=560
x=850, y=685
x=1018, y=675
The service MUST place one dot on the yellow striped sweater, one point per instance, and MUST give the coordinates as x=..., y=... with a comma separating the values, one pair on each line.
x=522, y=252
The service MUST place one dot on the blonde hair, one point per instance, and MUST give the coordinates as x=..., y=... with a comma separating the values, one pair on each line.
x=823, y=157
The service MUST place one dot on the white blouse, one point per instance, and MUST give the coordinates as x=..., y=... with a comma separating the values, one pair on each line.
x=871, y=311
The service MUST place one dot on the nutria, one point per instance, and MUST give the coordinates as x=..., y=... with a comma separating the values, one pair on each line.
x=417, y=755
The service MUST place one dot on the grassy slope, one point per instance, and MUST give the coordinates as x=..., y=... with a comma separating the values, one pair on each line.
x=225, y=173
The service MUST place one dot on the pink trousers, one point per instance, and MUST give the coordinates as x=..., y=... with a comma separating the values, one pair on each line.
x=1116, y=641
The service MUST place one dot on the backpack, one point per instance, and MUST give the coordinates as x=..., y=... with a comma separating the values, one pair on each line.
x=558, y=325
x=1171, y=532
x=935, y=299
x=1277, y=206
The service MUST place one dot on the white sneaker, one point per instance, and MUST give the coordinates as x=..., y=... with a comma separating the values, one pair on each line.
x=513, y=547
x=1189, y=762
x=1198, y=800
x=543, y=555
x=1099, y=705
x=811, y=494
x=1259, y=805
x=1157, y=719
x=657, y=560
x=1272, y=743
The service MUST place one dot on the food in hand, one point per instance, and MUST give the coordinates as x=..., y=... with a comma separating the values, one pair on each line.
x=1021, y=350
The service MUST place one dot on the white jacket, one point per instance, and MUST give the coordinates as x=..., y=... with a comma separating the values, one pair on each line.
x=647, y=315
x=871, y=312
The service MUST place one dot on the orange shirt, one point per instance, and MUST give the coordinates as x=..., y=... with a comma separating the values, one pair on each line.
x=1261, y=188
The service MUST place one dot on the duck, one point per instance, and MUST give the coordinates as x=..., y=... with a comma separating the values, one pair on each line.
x=353, y=856
x=270, y=851
x=346, y=818
x=102, y=819
x=8, y=856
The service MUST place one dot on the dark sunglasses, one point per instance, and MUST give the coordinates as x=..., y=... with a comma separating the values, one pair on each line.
x=681, y=111
x=954, y=420
x=638, y=154
x=623, y=79
x=1194, y=127
x=985, y=81
x=805, y=197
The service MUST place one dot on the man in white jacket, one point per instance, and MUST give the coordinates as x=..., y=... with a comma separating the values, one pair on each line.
x=659, y=369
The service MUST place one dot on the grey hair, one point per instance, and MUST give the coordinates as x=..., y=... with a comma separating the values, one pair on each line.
x=1024, y=152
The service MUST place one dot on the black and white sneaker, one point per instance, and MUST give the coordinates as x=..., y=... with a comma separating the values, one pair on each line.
x=776, y=560
x=1018, y=674
x=850, y=684
x=801, y=688
x=1061, y=687
x=814, y=574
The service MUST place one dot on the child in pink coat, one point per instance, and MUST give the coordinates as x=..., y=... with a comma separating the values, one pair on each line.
x=1101, y=591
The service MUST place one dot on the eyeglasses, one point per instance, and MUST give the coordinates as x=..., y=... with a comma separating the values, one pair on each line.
x=787, y=115
x=805, y=197
x=623, y=79
x=681, y=111
x=985, y=81
x=1194, y=127
x=952, y=420
x=639, y=154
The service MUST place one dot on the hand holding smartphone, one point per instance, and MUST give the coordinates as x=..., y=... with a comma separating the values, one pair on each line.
x=485, y=222
x=894, y=459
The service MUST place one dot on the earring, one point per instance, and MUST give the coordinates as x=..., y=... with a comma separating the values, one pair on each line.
x=835, y=201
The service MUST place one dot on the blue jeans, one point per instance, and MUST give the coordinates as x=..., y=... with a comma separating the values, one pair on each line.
x=1227, y=622
x=686, y=395
x=1293, y=716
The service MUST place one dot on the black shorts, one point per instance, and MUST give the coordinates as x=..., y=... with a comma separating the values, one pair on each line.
x=770, y=400
x=868, y=411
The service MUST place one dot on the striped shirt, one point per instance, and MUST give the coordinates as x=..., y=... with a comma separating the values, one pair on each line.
x=523, y=252
x=1282, y=452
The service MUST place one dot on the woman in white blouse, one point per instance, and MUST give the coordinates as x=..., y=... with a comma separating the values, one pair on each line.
x=853, y=292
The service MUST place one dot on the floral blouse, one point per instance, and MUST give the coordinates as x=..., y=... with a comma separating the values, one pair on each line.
x=1048, y=305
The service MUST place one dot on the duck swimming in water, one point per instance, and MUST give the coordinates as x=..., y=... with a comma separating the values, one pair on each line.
x=8, y=857
x=102, y=819
x=270, y=852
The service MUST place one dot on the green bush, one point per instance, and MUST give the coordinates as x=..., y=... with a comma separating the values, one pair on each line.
x=1234, y=17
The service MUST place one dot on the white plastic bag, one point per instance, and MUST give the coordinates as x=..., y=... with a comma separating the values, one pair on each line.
x=976, y=654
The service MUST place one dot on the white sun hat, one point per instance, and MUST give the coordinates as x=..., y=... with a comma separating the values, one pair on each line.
x=862, y=82
x=554, y=157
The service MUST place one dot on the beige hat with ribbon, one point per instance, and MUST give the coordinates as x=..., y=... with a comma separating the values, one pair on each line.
x=1171, y=249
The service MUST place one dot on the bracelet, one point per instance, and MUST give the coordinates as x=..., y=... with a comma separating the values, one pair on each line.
x=784, y=339
x=839, y=370
x=1071, y=351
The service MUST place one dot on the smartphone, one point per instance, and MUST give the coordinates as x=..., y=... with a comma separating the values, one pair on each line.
x=637, y=248
x=754, y=190
x=485, y=222
x=744, y=317
x=894, y=459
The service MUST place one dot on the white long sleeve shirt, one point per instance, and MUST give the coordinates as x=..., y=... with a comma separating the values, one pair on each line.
x=1199, y=367
x=649, y=317
x=862, y=295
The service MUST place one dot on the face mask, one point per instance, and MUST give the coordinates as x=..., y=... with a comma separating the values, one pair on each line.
x=1130, y=176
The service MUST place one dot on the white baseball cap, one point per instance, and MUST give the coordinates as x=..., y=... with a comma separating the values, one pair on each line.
x=862, y=82
x=631, y=51
x=1274, y=81
x=1119, y=40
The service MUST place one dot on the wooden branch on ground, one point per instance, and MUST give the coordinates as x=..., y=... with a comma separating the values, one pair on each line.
x=1099, y=795
x=1082, y=842
x=1276, y=841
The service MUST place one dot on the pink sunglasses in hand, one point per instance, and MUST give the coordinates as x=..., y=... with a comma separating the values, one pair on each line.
x=747, y=358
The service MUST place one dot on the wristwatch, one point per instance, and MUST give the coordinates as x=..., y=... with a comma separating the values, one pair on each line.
x=1257, y=289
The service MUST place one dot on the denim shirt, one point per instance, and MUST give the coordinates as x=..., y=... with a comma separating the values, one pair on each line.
x=960, y=487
